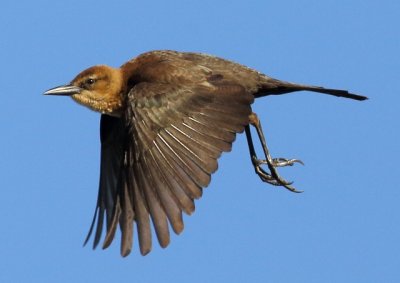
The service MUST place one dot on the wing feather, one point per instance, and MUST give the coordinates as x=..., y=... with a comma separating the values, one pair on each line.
x=142, y=215
x=167, y=199
x=159, y=156
x=174, y=181
x=148, y=184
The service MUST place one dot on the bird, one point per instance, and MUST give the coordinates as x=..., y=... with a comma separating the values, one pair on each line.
x=166, y=118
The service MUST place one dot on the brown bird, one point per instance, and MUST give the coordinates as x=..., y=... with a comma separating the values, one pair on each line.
x=166, y=118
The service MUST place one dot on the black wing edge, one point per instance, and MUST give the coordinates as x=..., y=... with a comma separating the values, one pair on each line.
x=112, y=137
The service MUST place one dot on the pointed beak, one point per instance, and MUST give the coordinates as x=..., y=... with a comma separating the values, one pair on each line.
x=65, y=90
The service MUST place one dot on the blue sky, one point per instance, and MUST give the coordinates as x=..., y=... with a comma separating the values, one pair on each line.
x=343, y=228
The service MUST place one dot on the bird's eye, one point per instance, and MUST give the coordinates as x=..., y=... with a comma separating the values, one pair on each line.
x=90, y=81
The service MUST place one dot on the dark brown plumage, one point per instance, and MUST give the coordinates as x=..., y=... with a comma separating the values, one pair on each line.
x=166, y=118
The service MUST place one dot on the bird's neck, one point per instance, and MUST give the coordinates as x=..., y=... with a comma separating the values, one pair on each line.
x=111, y=106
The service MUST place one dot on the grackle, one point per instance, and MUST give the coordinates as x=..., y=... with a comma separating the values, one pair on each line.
x=166, y=118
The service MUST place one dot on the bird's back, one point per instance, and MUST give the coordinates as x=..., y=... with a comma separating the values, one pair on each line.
x=189, y=67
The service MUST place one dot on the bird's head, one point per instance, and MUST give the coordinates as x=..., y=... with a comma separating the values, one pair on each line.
x=98, y=88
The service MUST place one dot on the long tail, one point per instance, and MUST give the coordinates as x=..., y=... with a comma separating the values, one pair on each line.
x=276, y=87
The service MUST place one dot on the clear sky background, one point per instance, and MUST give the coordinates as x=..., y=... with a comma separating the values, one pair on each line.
x=343, y=228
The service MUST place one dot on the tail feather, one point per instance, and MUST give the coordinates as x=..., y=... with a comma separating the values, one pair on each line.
x=276, y=87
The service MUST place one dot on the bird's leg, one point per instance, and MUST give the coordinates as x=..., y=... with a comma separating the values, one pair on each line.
x=273, y=177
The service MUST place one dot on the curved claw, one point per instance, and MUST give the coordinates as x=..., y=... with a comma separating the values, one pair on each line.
x=299, y=161
x=279, y=183
x=293, y=189
x=287, y=186
x=281, y=162
x=283, y=182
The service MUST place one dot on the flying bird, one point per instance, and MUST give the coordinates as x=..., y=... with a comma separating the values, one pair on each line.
x=166, y=117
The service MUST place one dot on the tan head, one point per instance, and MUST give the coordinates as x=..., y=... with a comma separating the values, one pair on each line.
x=98, y=88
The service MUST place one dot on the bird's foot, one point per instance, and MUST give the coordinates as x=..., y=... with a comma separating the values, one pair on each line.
x=273, y=177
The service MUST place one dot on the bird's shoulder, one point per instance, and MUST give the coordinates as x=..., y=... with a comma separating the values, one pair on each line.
x=164, y=67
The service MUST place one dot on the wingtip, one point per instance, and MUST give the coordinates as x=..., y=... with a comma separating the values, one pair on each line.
x=165, y=243
x=145, y=251
x=125, y=253
x=107, y=242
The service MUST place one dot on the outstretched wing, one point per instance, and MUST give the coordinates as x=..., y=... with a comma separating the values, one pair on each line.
x=174, y=136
